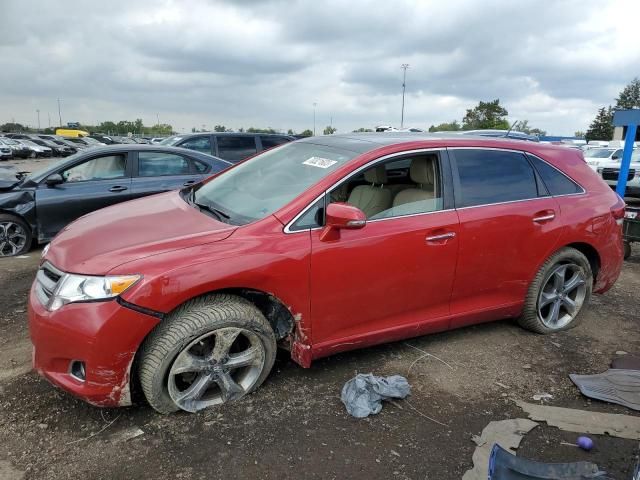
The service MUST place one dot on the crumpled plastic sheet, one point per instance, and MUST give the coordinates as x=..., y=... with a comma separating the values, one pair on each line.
x=363, y=395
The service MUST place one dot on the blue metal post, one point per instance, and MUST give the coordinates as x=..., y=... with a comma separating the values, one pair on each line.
x=626, y=159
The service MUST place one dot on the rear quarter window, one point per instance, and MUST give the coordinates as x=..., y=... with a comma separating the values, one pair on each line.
x=556, y=182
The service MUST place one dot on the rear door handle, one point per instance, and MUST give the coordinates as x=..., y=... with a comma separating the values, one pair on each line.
x=118, y=188
x=545, y=216
x=188, y=183
x=441, y=237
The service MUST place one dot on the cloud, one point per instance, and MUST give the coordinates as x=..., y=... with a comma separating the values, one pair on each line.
x=264, y=62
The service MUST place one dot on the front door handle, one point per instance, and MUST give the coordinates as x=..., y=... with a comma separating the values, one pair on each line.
x=118, y=188
x=441, y=237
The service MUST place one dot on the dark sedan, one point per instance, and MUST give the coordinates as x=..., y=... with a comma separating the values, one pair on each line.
x=39, y=205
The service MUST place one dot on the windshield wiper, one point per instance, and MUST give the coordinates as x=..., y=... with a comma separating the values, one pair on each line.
x=219, y=214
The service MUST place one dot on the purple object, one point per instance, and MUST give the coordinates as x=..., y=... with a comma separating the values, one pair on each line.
x=585, y=443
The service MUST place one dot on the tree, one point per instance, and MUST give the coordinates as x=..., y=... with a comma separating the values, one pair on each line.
x=601, y=128
x=219, y=128
x=290, y=132
x=306, y=133
x=486, y=115
x=13, y=127
x=329, y=130
x=260, y=130
x=362, y=130
x=446, y=127
x=524, y=127
x=630, y=96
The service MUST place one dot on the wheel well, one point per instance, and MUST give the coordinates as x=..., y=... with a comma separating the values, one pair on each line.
x=591, y=254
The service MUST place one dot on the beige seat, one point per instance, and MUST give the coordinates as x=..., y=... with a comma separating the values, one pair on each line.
x=422, y=172
x=375, y=198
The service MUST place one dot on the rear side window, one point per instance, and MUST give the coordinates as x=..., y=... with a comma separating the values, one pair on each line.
x=200, y=144
x=556, y=182
x=493, y=176
x=270, y=142
x=156, y=164
x=235, y=149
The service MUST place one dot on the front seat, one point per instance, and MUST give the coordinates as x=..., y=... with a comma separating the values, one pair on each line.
x=375, y=198
x=422, y=172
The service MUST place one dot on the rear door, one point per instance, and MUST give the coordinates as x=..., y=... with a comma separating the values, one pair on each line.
x=235, y=148
x=156, y=171
x=509, y=225
x=93, y=183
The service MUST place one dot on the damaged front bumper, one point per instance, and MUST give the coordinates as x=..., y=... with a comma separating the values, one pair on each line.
x=104, y=336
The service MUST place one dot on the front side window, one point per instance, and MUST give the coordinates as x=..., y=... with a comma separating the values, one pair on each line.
x=200, y=144
x=100, y=168
x=236, y=148
x=493, y=176
x=269, y=181
x=155, y=164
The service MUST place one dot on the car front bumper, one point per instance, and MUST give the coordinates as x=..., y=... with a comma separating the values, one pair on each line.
x=104, y=335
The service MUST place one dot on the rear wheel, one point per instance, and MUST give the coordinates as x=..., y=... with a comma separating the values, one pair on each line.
x=212, y=350
x=627, y=250
x=559, y=293
x=15, y=236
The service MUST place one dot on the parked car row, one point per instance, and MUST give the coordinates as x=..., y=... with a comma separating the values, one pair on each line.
x=606, y=162
x=22, y=145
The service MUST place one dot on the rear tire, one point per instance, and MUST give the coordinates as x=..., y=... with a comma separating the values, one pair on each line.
x=627, y=250
x=559, y=293
x=211, y=350
x=15, y=236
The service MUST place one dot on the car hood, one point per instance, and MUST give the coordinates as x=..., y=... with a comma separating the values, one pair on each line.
x=102, y=240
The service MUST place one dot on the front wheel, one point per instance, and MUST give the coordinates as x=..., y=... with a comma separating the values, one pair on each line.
x=15, y=236
x=212, y=350
x=559, y=293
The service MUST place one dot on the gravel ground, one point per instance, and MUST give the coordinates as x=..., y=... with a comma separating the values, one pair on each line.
x=295, y=424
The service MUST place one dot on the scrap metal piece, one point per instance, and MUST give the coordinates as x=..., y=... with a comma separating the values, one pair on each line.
x=615, y=386
x=508, y=433
x=626, y=362
x=582, y=421
x=506, y=466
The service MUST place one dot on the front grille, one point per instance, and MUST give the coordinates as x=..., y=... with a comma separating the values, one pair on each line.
x=612, y=174
x=46, y=282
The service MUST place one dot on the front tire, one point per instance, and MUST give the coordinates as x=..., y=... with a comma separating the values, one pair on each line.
x=211, y=350
x=15, y=236
x=559, y=293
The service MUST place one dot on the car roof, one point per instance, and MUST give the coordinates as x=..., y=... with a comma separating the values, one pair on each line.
x=366, y=142
x=235, y=134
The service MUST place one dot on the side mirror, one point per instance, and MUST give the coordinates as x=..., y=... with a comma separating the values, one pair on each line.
x=341, y=216
x=53, y=180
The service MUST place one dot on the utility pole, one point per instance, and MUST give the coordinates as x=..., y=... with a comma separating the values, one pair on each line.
x=404, y=67
x=314, y=118
x=49, y=116
x=38, y=112
x=158, y=117
x=59, y=114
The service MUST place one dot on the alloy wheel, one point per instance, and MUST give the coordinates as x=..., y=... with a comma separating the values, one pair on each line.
x=13, y=238
x=217, y=367
x=562, y=296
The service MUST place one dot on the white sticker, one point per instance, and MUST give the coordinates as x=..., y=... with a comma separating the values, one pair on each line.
x=319, y=162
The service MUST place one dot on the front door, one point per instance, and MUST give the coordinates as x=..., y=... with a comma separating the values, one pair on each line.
x=392, y=278
x=89, y=185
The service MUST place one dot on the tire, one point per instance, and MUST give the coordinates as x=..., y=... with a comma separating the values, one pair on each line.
x=547, y=294
x=194, y=352
x=627, y=250
x=15, y=236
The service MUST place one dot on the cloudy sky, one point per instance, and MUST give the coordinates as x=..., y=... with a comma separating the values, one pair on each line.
x=265, y=62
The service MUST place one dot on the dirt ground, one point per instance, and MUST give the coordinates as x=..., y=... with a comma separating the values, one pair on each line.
x=295, y=425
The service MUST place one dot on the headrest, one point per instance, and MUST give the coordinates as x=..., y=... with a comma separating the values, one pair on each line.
x=376, y=175
x=422, y=169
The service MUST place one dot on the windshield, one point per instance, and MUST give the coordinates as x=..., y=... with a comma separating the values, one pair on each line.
x=598, y=153
x=91, y=141
x=267, y=182
x=28, y=142
x=171, y=140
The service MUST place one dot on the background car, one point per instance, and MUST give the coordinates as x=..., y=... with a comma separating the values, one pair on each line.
x=18, y=150
x=599, y=156
x=58, y=150
x=37, y=151
x=610, y=171
x=233, y=147
x=5, y=152
x=85, y=141
x=42, y=203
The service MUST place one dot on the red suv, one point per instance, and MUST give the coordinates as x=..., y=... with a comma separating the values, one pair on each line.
x=319, y=246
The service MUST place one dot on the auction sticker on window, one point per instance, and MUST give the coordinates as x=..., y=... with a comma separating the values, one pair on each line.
x=319, y=162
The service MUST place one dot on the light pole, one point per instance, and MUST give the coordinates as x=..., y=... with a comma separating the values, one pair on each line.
x=49, y=116
x=59, y=114
x=314, y=118
x=404, y=67
x=38, y=112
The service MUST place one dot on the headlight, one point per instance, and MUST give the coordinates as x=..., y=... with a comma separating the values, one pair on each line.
x=45, y=250
x=83, y=288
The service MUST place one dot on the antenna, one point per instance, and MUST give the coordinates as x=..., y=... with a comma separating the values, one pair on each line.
x=511, y=128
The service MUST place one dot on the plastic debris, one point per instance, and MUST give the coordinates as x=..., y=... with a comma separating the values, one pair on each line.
x=615, y=386
x=505, y=466
x=542, y=396
x=585, y=443
x=363, y=395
